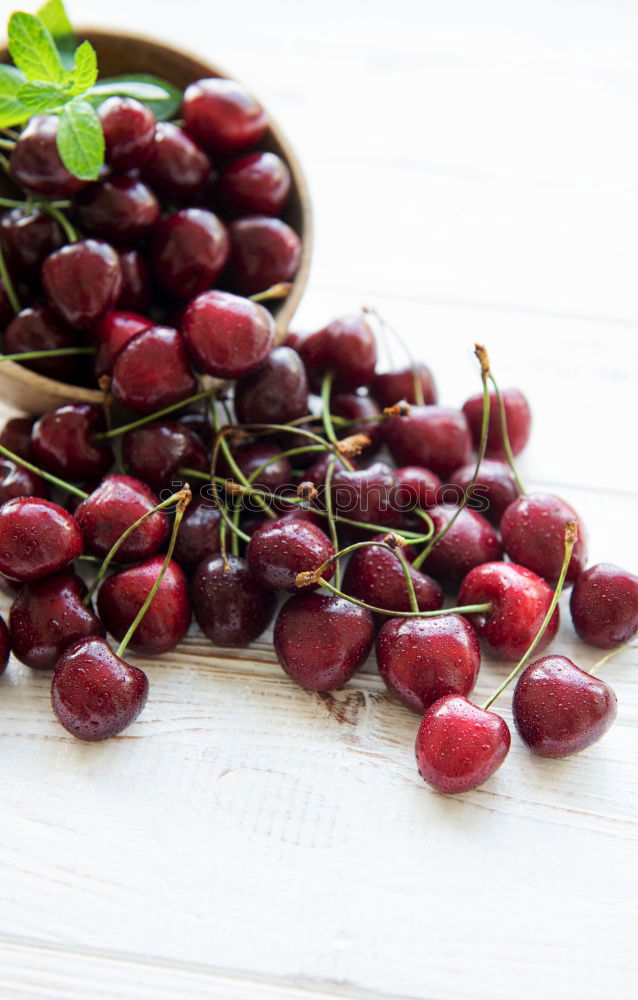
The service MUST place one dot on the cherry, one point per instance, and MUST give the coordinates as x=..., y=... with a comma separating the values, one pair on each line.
x=153, y=371
x=560, y=709
x=279, y=550
x=459, y=745
x=350, y=406
x=63, y=444
x=16, y=435
x=111, y=508
x=256, y=184
x=27, y=237
x=18, y=481
x=434, y=437
x=346, y=346
x=375, y=576
x=533, y=527
x=319, y=470
x=37, y=538
x=47, y=616
x=250, y=457
x=39, y=329
x=189, y=250
x=201, y=425
x=520, y=600
x=120, y=209
x=155, y=452
x=168, y=616
x=424, y=659
x=136, y=281
x=5, y=645
x=232, y=608
x=263, y=253
x=277, y=393
x=129, y=132
x=112, y=333
x=36, y=163
x=604, y=606
x=469, y=542
x=518, y=417
x=494, y=491
x=389, y=388
x=177, y=167
x=82, y=281
x=95, y=694
x=227, y=336
x=199, y=535
x=417, y=487
x=366, y=494
x=223, y=116
x=321, y=641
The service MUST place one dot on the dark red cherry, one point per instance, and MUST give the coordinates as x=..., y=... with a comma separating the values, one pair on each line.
x=16, y=435
x=424, y=659
x=135, y=293
x=318, y=470
x=604, y=606
x=263, y=252
x=112, y=333
x=256, y=184
x=434, y=437
x=366, y=494
x=37, y=538
x=177, y=167
x=275, y=394
x=361, y=409
x=232, y=608
x=321, y=641
x=16, y=481
x=112, y=508
x=39, y=329
x=189, y=250
x=459, y=745
x=153, y=371
x=250, y=457
x=416, y=487
x=346, y=346
x=82, y=281
x=198, y=536
x=28, y=236
x=63, y=444
x=520, y=600
x=495, y=488
x=227, y=336
x=223, y=116
x=389, y=388
x=154, y=453
x=120, y=209
x=278, y=550
x=95, y=694
x=200, y=423
x=469, y=542
x=168, y=616
x=374, y=575
x=36, y=163
x=560, y=709
x=129, y=132
x=533, y=530
x=47, y=616
x=5, y=645
x=518, y=417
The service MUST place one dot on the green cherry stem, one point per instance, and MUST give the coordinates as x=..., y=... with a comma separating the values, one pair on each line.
x=53, y=352
x=48, y=476
x=506, y=437
x=614, y=652
x=9, y=288
x=69, y=231
x=387, y=328
x=278, y=291
x=221, y=444
x=332, y=525
x=334, y=447
x=326, y=391
x=150, y=417
x=469, y=609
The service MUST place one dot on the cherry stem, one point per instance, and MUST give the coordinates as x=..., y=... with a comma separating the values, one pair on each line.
x=302, y=432
x=185, y=497
x=69, y=231
x=571, y=534
x=506, y=437
x=305, y=578
x=326, y=390
x=419, y=399
x=332, y=525
x=150, y=417
x=53, y=352
x=7, y=144
x=278, y=291
x=48, y=476
x=9, y=288
x=614, y=652
x=222, y=444
x=469, y=609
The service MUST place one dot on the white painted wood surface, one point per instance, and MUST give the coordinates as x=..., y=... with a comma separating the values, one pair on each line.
x=473, y=168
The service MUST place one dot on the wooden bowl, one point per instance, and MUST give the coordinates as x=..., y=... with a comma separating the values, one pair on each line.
x=121, y=53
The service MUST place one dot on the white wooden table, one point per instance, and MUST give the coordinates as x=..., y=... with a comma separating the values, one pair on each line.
x=473, y=168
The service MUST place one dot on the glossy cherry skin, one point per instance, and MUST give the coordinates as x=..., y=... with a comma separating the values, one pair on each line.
x=275, y=394
x=233, y=608
x=166, y=621
x=374, y=575
x=424, y=659
x=120, y=209
x=319, y=470
x=278, y=550
x=95, y=694
x=351, y=406
x=37, y=538
x=223, y=116
x=560, y=709
x=112, y=333
x=135, y=293
x=366, y=494
x=62, y=442
x=533, y=530
x=227, y=336
x=39, y=329
x=604, y=606
x=321, y=641
x=114, y=506
x=198, y=536
x=416, y=487
x=389, y=388
x=5, y=645
x=263, y=252
x=189, y=250
x=16, y=481
x=520, y=600
x=27, y=238
x=250, y=457
x=256, y=184
x=82, y=281
x=155, y=452
x=434, y=437
x=177, y=167
x=153, y=371
x=495, y=488
x=129, y=132
x=36, y=163
x=16, y=435
x=47, y=616
x=469, y=542
x=518, y=416
x=459, y=745
x=347, y=346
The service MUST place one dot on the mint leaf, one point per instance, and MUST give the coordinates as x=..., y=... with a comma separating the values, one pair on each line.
x=39, y=96
x=161, y=97
x=33, y=50
x=56, y=19
x=12, y=110
x=81, y=140
x=84, y=70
